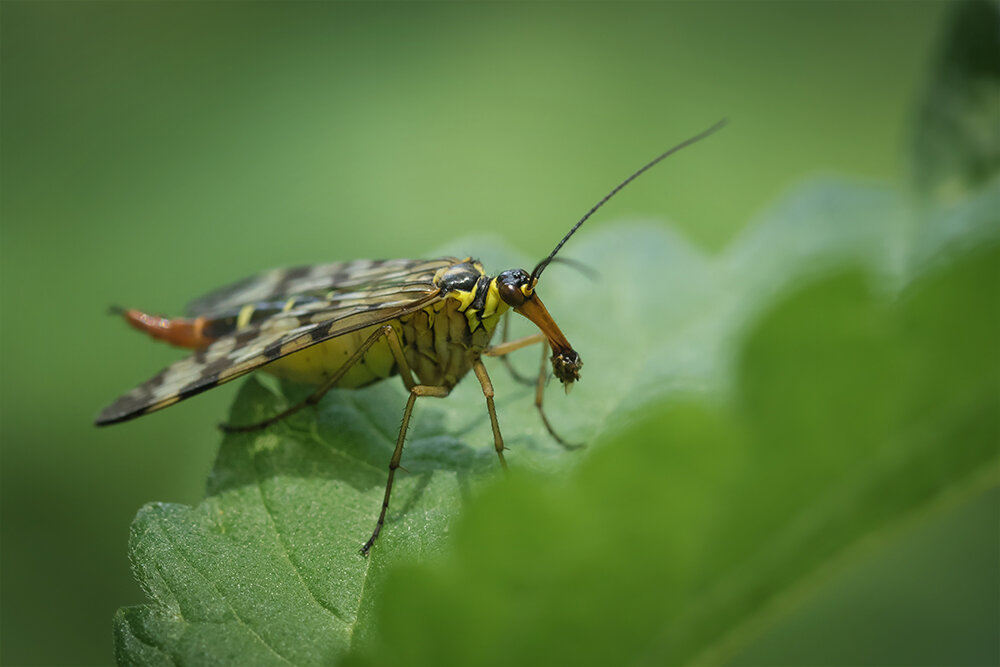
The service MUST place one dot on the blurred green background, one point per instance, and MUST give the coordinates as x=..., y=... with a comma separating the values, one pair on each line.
x=153, y=151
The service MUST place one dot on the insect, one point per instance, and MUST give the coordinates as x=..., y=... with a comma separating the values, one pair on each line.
x=350, y=324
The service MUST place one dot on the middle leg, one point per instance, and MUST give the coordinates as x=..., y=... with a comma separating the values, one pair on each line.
x=415, y=392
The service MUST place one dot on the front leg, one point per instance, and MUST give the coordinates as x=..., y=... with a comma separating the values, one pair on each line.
x=505, y=348
x=484, y=381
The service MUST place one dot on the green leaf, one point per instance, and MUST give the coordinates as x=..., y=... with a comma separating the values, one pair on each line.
x=854, y=410
x=956, y=146
x=270, y=558
x=743, y=429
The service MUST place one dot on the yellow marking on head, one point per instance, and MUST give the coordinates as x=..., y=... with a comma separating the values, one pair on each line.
x=246, y=312
x=288, y=305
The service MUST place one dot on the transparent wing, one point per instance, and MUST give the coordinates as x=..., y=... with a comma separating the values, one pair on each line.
x=321, y=280
x=403, y=290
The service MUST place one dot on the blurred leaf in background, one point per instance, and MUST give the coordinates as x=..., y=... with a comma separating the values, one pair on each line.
x=853, y=410
x=957, y=142
x=683, y=527
x=826, y=382
x=152, y=151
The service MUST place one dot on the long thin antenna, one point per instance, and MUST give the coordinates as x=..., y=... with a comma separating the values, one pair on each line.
x=696, y=138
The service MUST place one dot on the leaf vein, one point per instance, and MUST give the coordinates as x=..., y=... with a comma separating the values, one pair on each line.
x=288, y=556
x=173, y=543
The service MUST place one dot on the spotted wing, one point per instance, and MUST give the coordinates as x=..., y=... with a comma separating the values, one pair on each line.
x=348, y=309
x=319, y=280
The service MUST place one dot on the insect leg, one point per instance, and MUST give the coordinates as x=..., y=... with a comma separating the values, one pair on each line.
x=540, y=393
x=506, y=361
x=415, y=391
x=506, y=348
x=480, y=370
x=397, y=352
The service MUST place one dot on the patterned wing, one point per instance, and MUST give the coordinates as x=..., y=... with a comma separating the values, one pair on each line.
x=348, y=308
x=317, y=280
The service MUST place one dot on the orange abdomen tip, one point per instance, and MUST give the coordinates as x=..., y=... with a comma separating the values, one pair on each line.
x=179, y=331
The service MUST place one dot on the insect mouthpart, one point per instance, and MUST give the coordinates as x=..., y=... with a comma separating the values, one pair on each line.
x=566, y=366
x=516, y=288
